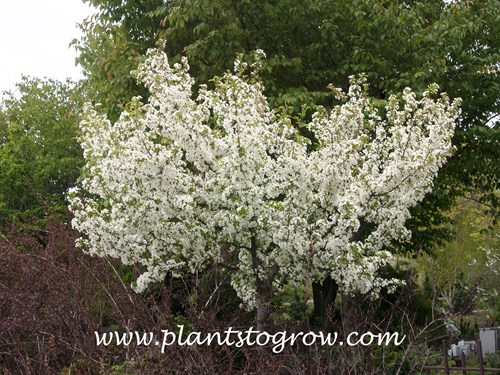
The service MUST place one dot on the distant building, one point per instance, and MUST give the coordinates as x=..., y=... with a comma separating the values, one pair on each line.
x=490, y=343
x=490, y=340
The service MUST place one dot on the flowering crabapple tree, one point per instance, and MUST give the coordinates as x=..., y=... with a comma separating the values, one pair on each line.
x=180, y=183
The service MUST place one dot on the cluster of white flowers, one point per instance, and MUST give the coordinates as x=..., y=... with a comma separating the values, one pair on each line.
x=179, y=183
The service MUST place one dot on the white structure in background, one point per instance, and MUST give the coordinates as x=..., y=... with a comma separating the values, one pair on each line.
x=490, y=343
x=490, y=340
x=466, y=347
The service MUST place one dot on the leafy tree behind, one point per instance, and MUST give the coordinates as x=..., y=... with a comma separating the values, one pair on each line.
x=39, y=153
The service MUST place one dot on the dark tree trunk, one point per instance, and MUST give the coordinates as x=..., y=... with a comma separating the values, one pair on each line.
x=324, y=295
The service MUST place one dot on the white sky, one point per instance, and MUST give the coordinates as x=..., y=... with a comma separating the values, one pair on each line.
x=35, y=37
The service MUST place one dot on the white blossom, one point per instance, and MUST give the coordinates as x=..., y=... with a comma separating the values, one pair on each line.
x=182, y=182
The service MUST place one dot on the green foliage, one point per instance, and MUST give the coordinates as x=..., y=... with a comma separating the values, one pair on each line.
x=492, y=360
x=40, y=157
x=463, y=273
x=114, y=41
x=290, y=305
x=313, y=43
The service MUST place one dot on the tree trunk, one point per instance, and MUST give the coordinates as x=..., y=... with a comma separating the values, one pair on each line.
x=324, y=295
x=351, y=319
x=356, y=318
x=263, y=289
x=263, y=302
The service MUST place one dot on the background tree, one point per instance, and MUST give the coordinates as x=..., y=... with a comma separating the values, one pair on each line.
x=114, y=42
x=464, y=272
x=39, y=154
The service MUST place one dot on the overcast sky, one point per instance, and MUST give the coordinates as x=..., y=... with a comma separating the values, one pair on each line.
x=35, y=37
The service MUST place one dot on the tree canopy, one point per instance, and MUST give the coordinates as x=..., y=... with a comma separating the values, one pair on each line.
x=178, y=184
x=39, y=153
